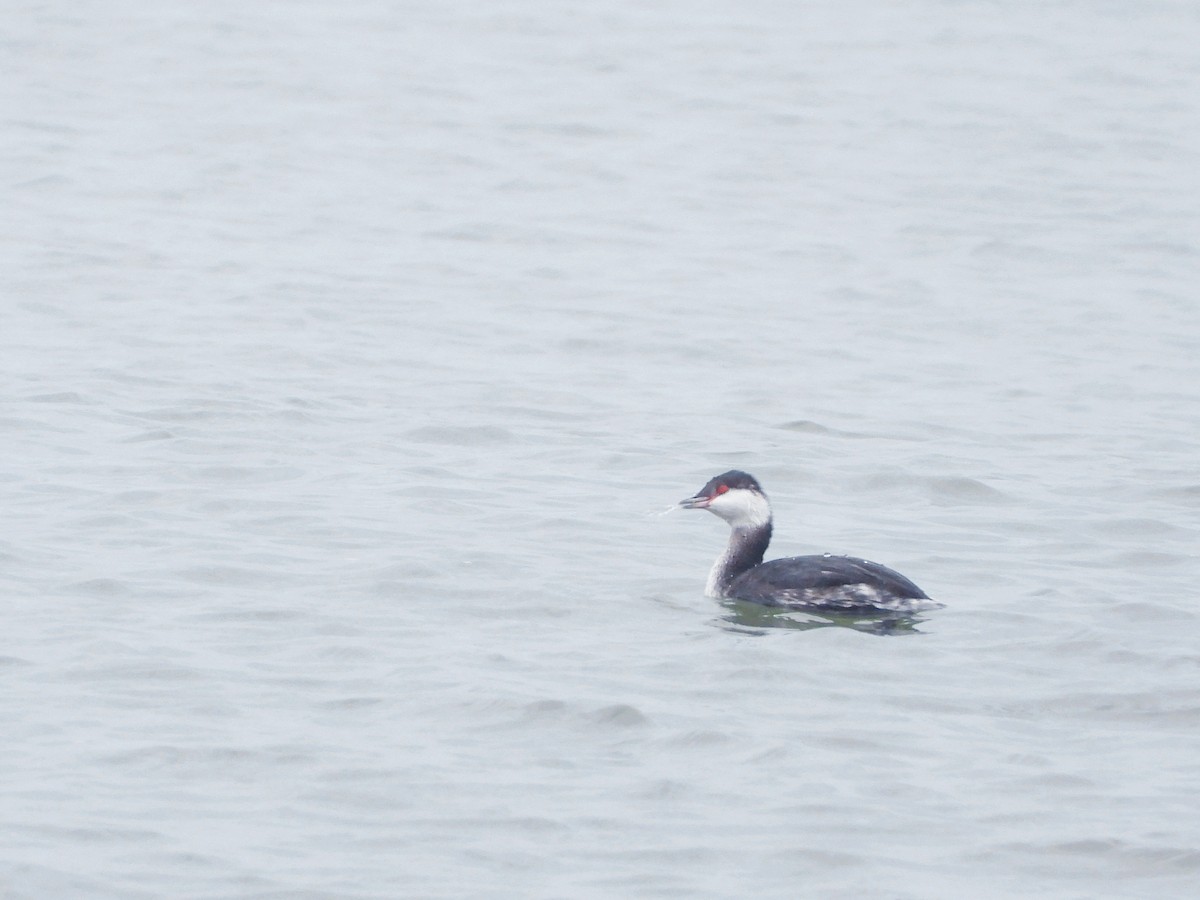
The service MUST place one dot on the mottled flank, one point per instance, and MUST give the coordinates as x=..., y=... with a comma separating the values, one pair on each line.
x=847, y=597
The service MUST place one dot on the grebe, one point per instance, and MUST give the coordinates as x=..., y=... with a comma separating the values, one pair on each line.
x=825, y=582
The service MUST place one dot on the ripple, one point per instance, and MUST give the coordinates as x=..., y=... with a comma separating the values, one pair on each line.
x=541, y=709
x=700, y=739
x=247, y=474
x=1115, y=851
x=157, y=434
x=351, y=703
x=942, y=490
x=620, y=715
x=264, y=615
x=963, y=490
x=1149, y=560
x=98, y=834
x=102, y=587
x=807, y=426
x=221, y=758
x=1138, y=529
x=134, y=672
x=230, y=576
x=1167, y=709
x=460, y=436
x=63, y=397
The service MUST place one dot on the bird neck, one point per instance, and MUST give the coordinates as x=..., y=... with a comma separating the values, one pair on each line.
x=746, y=549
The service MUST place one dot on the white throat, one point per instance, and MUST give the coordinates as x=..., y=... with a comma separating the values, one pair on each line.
x=714, y=588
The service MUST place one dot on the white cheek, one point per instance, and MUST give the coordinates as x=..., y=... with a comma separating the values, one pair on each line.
x=741, y=509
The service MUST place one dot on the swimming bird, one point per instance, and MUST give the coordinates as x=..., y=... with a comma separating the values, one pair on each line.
x=821, y=583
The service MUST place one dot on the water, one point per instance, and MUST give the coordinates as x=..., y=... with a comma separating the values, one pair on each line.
x=351, y=353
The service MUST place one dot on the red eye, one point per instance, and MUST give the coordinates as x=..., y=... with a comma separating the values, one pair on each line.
x=721, y=488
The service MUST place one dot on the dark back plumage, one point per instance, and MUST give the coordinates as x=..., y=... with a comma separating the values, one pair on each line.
x=833, y=581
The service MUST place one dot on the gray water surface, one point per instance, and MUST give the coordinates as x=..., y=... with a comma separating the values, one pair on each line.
x=353, y=352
